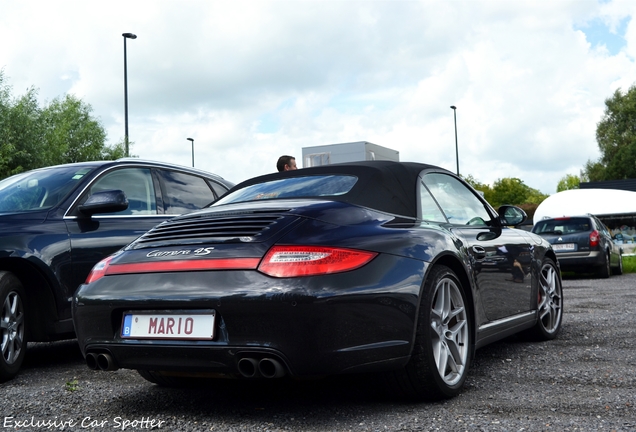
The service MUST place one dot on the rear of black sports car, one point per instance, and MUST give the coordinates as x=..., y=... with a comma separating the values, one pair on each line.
x=296, y=287
x=362, y=267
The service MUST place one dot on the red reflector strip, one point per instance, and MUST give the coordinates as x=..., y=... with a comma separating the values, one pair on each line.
x=184, y=265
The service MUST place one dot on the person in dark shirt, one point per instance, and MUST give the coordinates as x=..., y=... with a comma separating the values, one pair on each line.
x=286, y=163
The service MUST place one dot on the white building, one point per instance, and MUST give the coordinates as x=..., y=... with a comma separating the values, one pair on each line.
x=347, y=152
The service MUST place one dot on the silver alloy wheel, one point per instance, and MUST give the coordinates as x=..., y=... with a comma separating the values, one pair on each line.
x=550, y=298
x=449, y=331
x=12, y=327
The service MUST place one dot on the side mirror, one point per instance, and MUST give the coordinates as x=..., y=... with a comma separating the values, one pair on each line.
x=110, y=201
x=511, y=215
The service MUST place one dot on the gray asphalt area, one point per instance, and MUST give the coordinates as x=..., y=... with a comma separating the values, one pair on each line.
x=582, y=381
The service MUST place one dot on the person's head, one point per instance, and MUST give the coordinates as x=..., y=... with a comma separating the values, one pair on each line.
x=286, y=163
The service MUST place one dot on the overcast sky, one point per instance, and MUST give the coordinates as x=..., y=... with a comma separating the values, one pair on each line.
x=252, y=80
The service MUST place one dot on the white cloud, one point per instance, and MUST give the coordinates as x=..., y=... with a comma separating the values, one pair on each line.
x=251, y=80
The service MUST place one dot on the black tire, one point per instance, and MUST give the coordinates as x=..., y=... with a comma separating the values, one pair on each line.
x=550, y=303
x=13, y=335
x=604, y=270
x=619, y=269
x=147, y=375
x=443, y=346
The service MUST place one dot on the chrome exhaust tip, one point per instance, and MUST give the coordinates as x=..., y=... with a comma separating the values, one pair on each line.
x=91, y=361
x=271, y=368
x=248, y=367
x=105, y=362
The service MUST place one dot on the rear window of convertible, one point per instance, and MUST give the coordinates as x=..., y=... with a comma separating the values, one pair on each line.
x=293, y=187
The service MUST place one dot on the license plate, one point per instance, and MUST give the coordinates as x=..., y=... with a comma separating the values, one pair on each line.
x=564, y=247
x=168, y=325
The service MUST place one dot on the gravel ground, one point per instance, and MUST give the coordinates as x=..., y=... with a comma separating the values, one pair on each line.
x=582, y=381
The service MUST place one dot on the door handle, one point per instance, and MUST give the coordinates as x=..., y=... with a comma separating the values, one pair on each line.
x=479, y=252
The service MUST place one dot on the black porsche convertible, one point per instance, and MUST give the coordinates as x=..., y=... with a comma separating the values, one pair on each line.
x=396, y=268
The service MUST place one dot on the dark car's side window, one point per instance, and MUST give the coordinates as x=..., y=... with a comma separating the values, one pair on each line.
x=137, y=185
x=602, y=227
x=429, y=210
x=219, y=189
x=459, y=204
x=183, y=193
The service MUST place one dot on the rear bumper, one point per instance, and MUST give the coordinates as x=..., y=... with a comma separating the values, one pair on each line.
x=580, y=260
x=224, y=360
x=358, y=321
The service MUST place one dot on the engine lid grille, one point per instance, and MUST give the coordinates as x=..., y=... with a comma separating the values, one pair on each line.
x=252, y=226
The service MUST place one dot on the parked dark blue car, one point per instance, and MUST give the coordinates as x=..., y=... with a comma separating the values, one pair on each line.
x=583, y=244
x=57, y=222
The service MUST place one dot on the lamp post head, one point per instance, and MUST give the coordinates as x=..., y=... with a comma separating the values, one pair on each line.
x=453, y=107
x=192, y=141
x=129, y=35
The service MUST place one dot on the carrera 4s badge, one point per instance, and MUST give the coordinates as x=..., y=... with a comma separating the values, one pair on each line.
x=195, y=252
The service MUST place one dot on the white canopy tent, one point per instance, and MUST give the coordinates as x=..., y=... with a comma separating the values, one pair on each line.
x=599, y=202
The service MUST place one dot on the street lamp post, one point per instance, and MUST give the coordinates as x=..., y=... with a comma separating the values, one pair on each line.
x=192, y=141
x=456, y=146
x=126, y=36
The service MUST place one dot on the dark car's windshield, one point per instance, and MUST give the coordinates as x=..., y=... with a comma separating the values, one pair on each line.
x=292, y=187
x=562, y=226
x=39, y=189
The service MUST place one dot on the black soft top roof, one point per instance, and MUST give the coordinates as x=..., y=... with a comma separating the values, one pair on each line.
x=382, y=185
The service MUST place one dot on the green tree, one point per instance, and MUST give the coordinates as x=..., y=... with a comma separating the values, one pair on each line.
x=63, y=131
x=568, y=182
x=594, y=171
x=72, y=134
x=508, y=191
x=117, y=151
x=511, y=190
x=482, y=187
x=20, y=131
x=535, y=196
x=616, y=138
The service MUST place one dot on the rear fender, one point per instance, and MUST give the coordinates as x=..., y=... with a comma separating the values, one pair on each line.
x=39, y=298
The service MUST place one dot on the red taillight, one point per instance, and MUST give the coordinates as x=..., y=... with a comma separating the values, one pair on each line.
x=594, y=238
x=99, y=270
x=294, y=261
